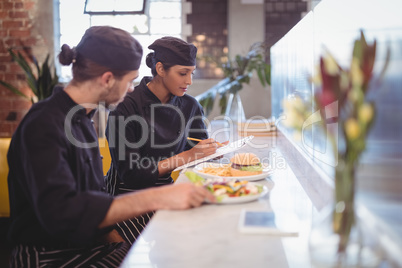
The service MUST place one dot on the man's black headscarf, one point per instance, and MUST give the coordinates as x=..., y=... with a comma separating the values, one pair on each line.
x=111, y=47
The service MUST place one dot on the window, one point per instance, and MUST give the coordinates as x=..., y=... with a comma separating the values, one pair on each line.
x=116, y=7
x=161, y=18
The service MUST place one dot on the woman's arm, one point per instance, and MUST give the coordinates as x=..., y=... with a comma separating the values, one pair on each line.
x=202, y=149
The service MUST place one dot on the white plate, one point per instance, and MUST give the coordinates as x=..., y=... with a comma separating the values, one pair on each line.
x=266, y=172
x=244, y=199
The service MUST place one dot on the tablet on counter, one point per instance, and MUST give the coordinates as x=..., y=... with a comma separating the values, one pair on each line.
x=266, y=222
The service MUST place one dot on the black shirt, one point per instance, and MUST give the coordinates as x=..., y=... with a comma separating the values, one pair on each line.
x=55, y=178
x=149, y=131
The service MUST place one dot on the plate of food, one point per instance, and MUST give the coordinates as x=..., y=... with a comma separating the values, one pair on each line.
x=229, y=191
x=242, y=166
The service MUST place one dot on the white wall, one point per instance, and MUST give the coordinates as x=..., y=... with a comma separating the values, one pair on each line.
x=246, y=25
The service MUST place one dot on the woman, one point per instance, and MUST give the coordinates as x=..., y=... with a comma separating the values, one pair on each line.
x=148, y=131
x=60, y=214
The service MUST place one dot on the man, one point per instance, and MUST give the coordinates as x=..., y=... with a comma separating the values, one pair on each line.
x=60, y=215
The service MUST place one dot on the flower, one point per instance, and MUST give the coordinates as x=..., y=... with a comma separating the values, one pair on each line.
x=330, y=65
x=349, y=88
x=352, y=129
x=355, y=116
x=295, y=112
x=356, y=73
x=366, y=113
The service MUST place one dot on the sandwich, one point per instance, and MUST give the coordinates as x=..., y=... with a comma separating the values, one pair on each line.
x=245, y=164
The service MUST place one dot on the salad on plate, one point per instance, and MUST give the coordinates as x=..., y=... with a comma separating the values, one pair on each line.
x=229, y=191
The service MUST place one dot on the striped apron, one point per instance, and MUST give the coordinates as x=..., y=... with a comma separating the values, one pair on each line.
x=130, y=229
x=104, y=255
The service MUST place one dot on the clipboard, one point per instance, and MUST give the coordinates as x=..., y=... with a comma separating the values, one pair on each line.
x=231, y=147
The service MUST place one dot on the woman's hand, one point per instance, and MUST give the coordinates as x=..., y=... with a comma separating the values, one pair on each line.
x=222, y=144
x=202, y=149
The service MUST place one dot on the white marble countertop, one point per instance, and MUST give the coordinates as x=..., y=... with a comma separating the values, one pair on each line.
x=208, y=236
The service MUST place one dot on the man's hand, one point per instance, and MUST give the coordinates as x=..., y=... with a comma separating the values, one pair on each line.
x=171, y=197
x=183, y=196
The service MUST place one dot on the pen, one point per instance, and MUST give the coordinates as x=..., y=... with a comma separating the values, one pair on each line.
x=194, y=139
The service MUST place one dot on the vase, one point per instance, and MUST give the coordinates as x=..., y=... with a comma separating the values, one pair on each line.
x=337, y=238
x=234, y=109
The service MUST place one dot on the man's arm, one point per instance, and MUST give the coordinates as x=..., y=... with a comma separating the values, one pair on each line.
x=172, y=197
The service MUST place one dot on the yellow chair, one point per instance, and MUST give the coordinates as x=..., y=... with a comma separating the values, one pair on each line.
x=104, y=151
x=4, y=201
x=4, y=145
x=107, y=159
x=175, y=175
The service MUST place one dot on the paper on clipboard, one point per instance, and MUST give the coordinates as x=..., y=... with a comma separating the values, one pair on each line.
x=231, y=147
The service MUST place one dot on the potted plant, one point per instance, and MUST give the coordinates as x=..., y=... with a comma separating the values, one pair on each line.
x=41, y=81
x=237, y=71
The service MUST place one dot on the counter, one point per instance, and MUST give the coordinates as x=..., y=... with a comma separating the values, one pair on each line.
x=208, y=236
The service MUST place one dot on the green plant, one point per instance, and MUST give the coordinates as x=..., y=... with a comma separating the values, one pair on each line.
x=41, y=84
x=238, y=71
x=242, y=67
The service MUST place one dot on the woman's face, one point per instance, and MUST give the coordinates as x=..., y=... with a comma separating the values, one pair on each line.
x=178, y=78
